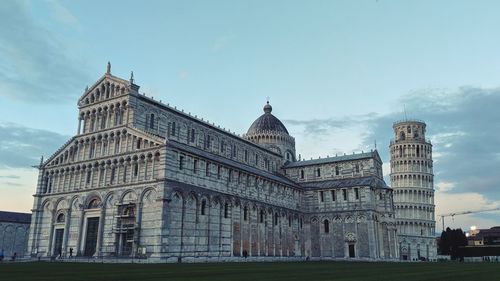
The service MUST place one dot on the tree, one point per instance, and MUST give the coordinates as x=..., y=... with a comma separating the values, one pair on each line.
x=450, y=241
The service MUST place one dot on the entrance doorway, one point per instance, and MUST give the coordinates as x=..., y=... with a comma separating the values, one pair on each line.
x=58, y=242
x=91, y=236
x=352, y=253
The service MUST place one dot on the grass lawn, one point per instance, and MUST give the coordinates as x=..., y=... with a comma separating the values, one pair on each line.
x=308, y=271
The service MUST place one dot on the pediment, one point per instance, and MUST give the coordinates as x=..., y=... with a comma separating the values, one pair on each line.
x=61, y=155
x=107, y=87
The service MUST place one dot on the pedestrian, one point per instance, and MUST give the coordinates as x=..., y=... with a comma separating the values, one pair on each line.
x=14, y=256
x=1, y=255
x=70, y=252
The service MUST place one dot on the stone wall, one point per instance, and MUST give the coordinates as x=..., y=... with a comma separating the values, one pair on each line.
x=14, y=238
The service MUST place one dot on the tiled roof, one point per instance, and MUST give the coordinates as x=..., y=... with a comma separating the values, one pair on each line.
x=371, y=181
x=267, y=123
x=15, y=217
x=334, y=159
x=229, y=162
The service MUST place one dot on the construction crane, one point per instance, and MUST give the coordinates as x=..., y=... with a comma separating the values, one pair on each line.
x=465, y=213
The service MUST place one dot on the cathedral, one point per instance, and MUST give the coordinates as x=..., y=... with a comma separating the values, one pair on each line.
x=142, y=179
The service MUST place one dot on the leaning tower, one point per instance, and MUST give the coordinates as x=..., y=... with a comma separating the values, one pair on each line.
x=412, y=181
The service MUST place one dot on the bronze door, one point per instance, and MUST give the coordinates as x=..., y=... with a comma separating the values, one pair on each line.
x=91, y=237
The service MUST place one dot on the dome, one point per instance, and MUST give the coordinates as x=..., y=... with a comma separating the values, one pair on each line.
x=267, y=122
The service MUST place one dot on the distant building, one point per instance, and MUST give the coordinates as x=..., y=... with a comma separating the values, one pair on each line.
x=480, y=237
x=412, y=180
x=14, y=230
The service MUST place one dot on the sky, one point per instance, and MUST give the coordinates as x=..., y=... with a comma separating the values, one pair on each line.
x=337, y=73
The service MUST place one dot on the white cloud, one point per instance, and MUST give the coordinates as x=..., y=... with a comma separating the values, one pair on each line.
x=445, y=186
x=16, y=194
x=464, y=138
x=459, y=202
x=37, y=66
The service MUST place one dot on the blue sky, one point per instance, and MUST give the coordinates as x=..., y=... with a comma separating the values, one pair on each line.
x=338, y=73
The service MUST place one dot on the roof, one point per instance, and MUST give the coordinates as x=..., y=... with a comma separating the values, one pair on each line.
x=359, y=156
x=229, y=162
x=267, y=123
x=205, y=123
x=15, y=217
x=492, y=232
x=371, y=181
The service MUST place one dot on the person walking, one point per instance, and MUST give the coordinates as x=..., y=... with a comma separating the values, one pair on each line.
x=1, y=255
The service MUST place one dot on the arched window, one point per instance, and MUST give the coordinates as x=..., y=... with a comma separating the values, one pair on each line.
x=60, y=218
x=275, y=218
x=117, y=117
x=226, y=210
x=206, y=143
x=117, y=144
x=152, y=121
x=94, y=203
x=327, y=226
x=136, y=169
x=318, y=172
x=192, y=135
x=245, y=213
x=173, y=128
x=301, y=174
x=125, y=168
x=337, y=170
x=89, y=177
x=92, y=150
x=203, y=207
x=261, y=216
x=181, y=162
x=128, y=211
x=402, y=136
x=113, y=175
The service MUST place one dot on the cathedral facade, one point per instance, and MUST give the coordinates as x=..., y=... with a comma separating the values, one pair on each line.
x=144, y=179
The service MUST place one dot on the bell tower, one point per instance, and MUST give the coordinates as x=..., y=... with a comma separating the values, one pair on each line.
x=412, y=180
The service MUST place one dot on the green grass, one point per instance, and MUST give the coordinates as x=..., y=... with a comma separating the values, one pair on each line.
x=289, y=271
